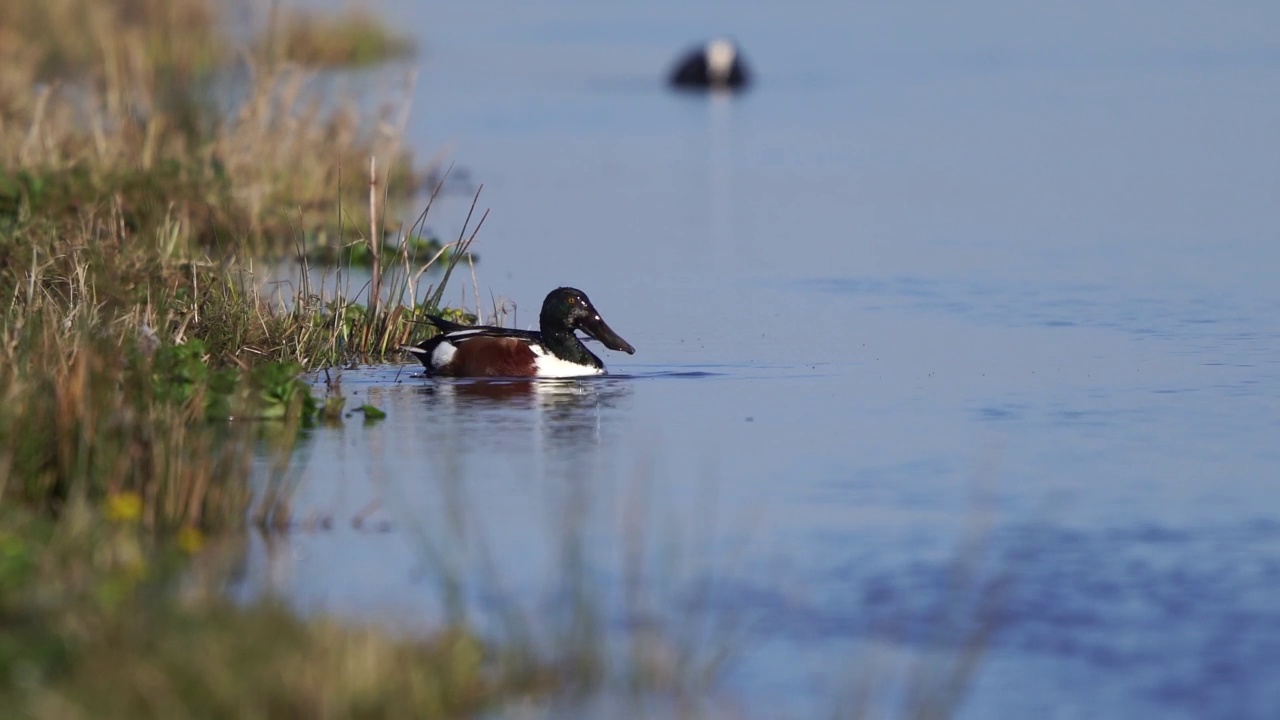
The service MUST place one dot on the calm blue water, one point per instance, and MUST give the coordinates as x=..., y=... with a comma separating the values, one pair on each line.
x=998, y=275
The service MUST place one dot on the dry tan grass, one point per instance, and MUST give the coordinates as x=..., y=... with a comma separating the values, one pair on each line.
x=351, y=38
x=126, y=102
x=121, y=58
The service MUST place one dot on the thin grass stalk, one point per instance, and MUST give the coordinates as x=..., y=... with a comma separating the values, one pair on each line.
x=375, y=239
x=460, y=248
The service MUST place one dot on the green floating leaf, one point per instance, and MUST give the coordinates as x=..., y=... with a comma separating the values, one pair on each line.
x=371, y=412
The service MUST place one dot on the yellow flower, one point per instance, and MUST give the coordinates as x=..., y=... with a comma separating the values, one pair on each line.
x=190, y=539
x=124, y=507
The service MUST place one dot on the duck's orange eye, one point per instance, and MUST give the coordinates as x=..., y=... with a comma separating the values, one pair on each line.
x=573, y=301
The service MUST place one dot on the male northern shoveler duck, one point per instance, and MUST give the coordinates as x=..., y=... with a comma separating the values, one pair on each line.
x=555, y=351
x=717, y=65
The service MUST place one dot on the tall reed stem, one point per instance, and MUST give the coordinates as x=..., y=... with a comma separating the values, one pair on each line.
x=375, y=239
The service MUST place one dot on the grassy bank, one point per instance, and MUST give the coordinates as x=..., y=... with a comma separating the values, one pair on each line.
x=147, y=164
x=353, y=38
x=147, y=109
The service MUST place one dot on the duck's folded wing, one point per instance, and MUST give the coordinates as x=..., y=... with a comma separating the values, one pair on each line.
x=467, y=333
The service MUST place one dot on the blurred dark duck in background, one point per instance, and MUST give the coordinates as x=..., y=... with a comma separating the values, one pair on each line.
x=718, y=65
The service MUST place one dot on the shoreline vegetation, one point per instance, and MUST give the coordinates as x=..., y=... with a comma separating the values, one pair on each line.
x=148, y=163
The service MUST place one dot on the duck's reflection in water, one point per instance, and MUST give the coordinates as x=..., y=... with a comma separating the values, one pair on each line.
x=499, y=413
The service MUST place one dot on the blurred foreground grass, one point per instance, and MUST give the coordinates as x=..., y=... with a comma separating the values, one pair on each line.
x=94, y=626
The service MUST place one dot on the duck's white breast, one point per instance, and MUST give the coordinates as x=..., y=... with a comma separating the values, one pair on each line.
x=550, y=366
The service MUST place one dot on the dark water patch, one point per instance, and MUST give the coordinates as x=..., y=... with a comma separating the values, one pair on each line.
x=1219, y=319
x=1003, y=412
x=678, y=374
x=1092, y=418
x=1058, y=415
x=1189, y=616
